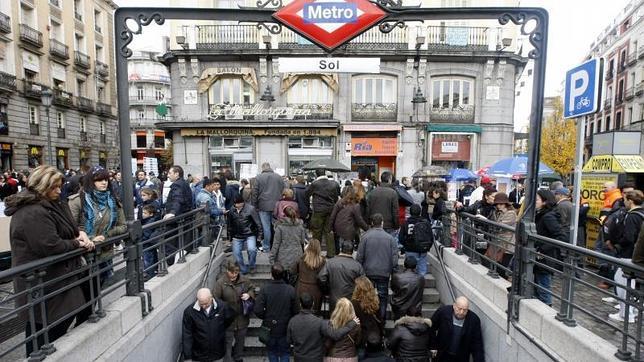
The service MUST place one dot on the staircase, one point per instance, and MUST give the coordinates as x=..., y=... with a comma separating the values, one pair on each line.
x=255, y=351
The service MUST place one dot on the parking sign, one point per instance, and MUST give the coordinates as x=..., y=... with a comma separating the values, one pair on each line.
x=583, y=89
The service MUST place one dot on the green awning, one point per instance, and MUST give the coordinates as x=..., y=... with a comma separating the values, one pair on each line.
x=451, y=127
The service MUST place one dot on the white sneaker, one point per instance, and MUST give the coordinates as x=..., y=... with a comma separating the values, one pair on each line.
x=618, y=318
x=609, y=300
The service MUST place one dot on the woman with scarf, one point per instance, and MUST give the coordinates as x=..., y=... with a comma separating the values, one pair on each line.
x=98, y=213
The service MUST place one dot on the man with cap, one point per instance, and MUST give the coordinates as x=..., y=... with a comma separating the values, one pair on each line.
x=477, y=194
x=564, y=207
x=407, y=288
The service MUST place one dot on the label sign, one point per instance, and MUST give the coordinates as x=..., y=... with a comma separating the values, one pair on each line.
x=449, y=147
x=582, y=89
x=374, y=146
x=329, y=65
x=331, y=12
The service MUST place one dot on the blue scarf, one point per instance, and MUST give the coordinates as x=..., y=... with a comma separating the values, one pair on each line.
x=98, y=201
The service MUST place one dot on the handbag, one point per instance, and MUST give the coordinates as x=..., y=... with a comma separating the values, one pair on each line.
x=248, y=305
x=264, y=333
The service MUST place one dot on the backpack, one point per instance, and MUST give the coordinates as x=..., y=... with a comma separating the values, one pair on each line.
x=423, y=236
x=612, y=227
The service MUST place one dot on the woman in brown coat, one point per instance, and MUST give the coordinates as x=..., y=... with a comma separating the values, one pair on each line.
x=56, y=233
x=346, y=217
x=343, y=350
x=366, y=305
x=502, y=249
x=307, y=269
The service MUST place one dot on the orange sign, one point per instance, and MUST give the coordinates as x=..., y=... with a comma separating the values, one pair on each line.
x=374, y=146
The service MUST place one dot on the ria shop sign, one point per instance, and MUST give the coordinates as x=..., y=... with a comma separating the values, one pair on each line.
x=330, y=23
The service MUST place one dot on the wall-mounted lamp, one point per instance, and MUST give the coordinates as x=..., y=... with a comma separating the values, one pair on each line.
x=418, y=96
x=181, y=40
x=505, y=42
x=420, y=40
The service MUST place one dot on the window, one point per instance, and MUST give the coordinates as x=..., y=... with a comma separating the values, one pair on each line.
x=99, y=53
x=80, y=88
x=98, y=20
x=78, y=10
x=158, y=94
x=58, y=84
x=100, y=92
x=140, y=93
x=232, y=90
x=28, y=16
x=83, y=125
x=618, y=120
x=33, y=115
x=310, y=142
x=629, y=115
x=231, y=142
x=374, y=90
x=57, y=31
x=451, y=93
x=60, y=120
x=141, y=140
x=141, y=114
x=309, y=91
x=599, y=125
x=31, y=76
x=529, y=72
x=102, y=127
x=607, y=123
x=79, y=42
x=591, y=129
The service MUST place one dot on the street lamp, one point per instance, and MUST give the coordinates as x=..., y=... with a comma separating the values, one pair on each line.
x=46, y=97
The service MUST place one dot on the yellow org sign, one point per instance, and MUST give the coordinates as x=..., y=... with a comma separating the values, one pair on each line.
x=592, y=187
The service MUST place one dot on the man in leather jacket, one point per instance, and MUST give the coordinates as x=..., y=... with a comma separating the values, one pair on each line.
x=407, y=288
x=338, y=274
x=244, y=226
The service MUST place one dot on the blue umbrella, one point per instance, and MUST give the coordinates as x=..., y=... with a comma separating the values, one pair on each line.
x=515, y=167
x=461, y=174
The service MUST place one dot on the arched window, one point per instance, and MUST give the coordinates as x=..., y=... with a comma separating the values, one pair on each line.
x=309, y=90
x=374, y=89
x=230, y=90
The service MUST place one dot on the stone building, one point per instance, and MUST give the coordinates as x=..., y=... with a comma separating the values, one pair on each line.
x=62, y=48
x=444, y=95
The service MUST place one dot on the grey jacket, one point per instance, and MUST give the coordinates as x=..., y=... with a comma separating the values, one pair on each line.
x=565, y=214
x=384, y=200
x=306, y=332
x=288, y=244
x=267, y=190
x=378, y=253
x=339, y=274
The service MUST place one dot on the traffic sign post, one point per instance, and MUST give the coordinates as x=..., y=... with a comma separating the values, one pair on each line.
x=583, y=89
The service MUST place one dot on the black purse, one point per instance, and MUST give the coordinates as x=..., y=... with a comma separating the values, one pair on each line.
x=264, y=333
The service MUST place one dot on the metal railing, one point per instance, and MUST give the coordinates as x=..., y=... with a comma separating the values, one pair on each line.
x=227, y=36
x=85, y=104
x=476, y=38
x=103, y=109
x=58, y=49
x=30, y=35
x=8, y=81
x=374, y=111
x=629, y=93
x=5, y=23
x=81, y=59
x=63, y=98
x=557, y=273
x=102, y=69
x=97, y=277
x=33, y=89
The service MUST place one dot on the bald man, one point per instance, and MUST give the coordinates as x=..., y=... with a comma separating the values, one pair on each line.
x=204, y=328
x=456, y=333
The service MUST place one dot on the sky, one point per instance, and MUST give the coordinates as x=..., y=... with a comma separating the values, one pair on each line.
x=574, y=25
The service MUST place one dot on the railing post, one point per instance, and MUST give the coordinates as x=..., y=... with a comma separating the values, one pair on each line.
x=182, y=239
x=134, y=275
x=459, y=235
x=162, y=266
x=206, y=227
x=623, y=353
x=526, y=259
x=640, y=315
x=32, y=293
x=565, y=314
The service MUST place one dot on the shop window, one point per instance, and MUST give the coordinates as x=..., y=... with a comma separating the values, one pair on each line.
x=6, y=156
x=310, y=142
x=141, y=140
x=34, y=158
x=84, y=158
x=102, y=159
x=231, y=142
x=452, y=92
x=374, y=89
x=230, y=90
x=61, y=159
x=4, y=120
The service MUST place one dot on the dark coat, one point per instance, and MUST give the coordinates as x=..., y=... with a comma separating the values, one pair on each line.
x=276, y=304
x=325, y=194
x=179, y=199
x=631, y=226
x=301, y=199
x=267, y=190
x=439, y=209
x=407, y=288
x=204, y=337
x=306, y=333
x=638, y=253
x=372, y=328
x=346, y=219
x=338, y=275
x=307, y=282
x=548, y=225
x=288, y=243
x=244, y=223
x=230, y=292
x=345, y=347
x=407, y=236
x=384, y=200
x=56, y=233
x=471, y=339
x=410, y=339
x=378, y=253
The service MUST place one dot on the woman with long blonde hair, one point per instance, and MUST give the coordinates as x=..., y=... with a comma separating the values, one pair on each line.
x=307, y=269
x=366, y=305
x=343, y=350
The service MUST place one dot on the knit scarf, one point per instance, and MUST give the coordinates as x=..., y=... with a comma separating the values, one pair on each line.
x=97, y=202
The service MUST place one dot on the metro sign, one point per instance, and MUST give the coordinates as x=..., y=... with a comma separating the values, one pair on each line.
x=330, y=23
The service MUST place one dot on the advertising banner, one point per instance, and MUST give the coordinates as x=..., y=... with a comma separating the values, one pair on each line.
x=592, y=186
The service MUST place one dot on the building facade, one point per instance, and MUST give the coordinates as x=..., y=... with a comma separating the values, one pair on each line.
x=232, y=110
x=63, y=48
x=621, y=46
x=149, y=96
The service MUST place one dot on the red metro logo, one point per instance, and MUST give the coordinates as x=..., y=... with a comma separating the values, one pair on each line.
x=330, y=23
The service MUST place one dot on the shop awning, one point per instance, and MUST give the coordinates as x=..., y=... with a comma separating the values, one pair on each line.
x=210, y=76
x=615, y=164
x=451, y=127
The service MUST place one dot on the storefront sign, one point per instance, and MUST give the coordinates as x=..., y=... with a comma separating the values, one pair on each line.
x=200, y=132
x=629, y=164
x=239, y=111
x=592, y=190
x=450, y=147
x=330, y=65
x=374, y=146
x=615, y=164
x=599, y=164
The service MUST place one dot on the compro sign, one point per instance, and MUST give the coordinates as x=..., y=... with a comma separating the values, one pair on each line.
x=582, y=90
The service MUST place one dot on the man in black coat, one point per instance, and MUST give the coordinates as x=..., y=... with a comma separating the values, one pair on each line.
x=383, y=200
x=204, y=328
x=325, y=194
x=456, y=333
x=275, y=305
x=179, y=202
x=407, y=288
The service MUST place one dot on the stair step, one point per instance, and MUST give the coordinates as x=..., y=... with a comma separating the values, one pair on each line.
x=260, y=278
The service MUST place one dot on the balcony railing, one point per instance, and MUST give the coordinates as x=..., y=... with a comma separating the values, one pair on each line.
x=396, y=39
x=58, y=49
x=5, y=23
x=78, y=16
x=85, y=104
x=33, y=89
x=62, y=98
x=102, y=69
x=607, y=104
x=456, y=114
x=631, y=58
x=103, y=138
x=629, y=93
x=619, y=99
x=83, y=136
x=148, y=100
x=55, y=2
x=609, y=74
x=639, y=89
x=30, y=35
x=97, y=28
x=7, y=81
x=622, y=66
x=317, y=111
x=34, y=129
x=61, y=133
x=81, y=59
x=466, y=37
x=103, y=109
x=374, y=111
x=640, y=52
x=227, y=36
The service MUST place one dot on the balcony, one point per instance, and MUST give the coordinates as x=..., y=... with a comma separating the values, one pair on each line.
x=640, y=52
x=55, y=2
x=102, y=69
x=631, y=59
x=103, y=109
x=5, y=23
x=609, y=74
x=103, y=138
x=455, y=114
x=85, y=104
x=7, y=81
x=61, y=133
x=58, y=49
x=374, y=111
x=33, y=89
x=97, y=28
x=607, y=104
x=78, y=16
x=34, y=129
x=30, y=35
x=62, y=98
x=639, y=89
x=317, y=111
x=619, y=99
x=81, y=59
x=629, y=94
x=458, y=37
x=83, y=136
x=227, y=37
x=621, y=67
x=149, y=100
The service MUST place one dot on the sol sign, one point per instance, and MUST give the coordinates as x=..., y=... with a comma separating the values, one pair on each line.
x=330, y=24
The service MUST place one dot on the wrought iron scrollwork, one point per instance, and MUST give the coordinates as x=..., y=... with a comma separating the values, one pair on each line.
x=393, y=4
x=388, y=27
x=127, y=34
x=274, y=3
x=273, y=28
x=535, y=36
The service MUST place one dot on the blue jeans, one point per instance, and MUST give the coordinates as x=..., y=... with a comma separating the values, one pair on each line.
x=277, y=348
x=543, y=280
x=421, y=259
x=251, y=249
x=149, y=259
x=266, y=217
x=382, y=286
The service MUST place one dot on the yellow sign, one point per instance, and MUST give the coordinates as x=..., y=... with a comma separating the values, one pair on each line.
x=200, y=132
x=592, y=190
x=629, y=164
x=615, y=164
x=61, y=153
x=599, y=164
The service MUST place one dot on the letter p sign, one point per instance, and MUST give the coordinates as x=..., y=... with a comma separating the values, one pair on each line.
x=582, y=91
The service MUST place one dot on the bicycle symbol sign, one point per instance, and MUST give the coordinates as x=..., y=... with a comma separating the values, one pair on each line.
x=582, y=90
